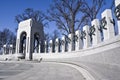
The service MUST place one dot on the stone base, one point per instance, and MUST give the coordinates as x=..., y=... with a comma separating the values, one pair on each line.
x=27, y=56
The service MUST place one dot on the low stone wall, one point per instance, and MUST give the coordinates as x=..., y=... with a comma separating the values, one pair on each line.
x=105, y=52
x=7, y=57
x=111, y=56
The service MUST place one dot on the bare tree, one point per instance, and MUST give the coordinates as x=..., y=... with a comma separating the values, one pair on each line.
x=65, y=14
x=36, y=15
x=53, y=37
x=68, y=17
x=47, y=37
x=71, y=15
x=91, y=9
x=7, y=37
x=55, y=34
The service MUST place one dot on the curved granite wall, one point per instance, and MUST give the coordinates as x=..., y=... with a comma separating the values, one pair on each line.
x=105, y=52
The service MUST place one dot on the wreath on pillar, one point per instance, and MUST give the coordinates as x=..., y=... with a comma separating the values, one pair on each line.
x=91, y=32
x=68, y=39
x=76, y=37
x=50, y=44
x=46, y=44
x=56, y=43
x=62, y=42
x=117, y=12
x=83, y=35
x=103, y=23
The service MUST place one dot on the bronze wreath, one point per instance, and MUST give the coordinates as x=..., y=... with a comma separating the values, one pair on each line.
x=103, y=23
x=83, y=35
x=117, y=12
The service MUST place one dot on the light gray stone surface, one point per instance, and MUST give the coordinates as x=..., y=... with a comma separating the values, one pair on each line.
x=37, y=71
x=99, y=71
x=101, y=67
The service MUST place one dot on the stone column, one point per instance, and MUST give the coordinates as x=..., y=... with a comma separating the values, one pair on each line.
x=24, y=49
x=39, y=51
x=63, y=43
x=57, y=45
x=46, y=46
x=27, y=44
x=17, y=45
x=50, y=46
x=96, y=36
x=86, y=37
x=18, y=42
x=69, y=40
x=78, y=41
x=4, y=49
x=117, y=13
x=10, y=49
x=107, y=24
x=17, y=48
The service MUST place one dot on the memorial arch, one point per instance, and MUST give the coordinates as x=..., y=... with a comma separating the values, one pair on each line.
x=29, y=34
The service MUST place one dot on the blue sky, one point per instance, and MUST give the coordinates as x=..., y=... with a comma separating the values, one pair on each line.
x=10, y=8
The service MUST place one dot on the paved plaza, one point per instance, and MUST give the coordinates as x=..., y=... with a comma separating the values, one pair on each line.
x=37, y=71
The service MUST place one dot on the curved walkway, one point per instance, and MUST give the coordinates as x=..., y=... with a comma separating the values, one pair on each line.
x=41, y=71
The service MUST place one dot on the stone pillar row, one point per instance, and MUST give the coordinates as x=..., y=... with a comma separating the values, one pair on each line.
x=89, y=36
x=7, y=49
